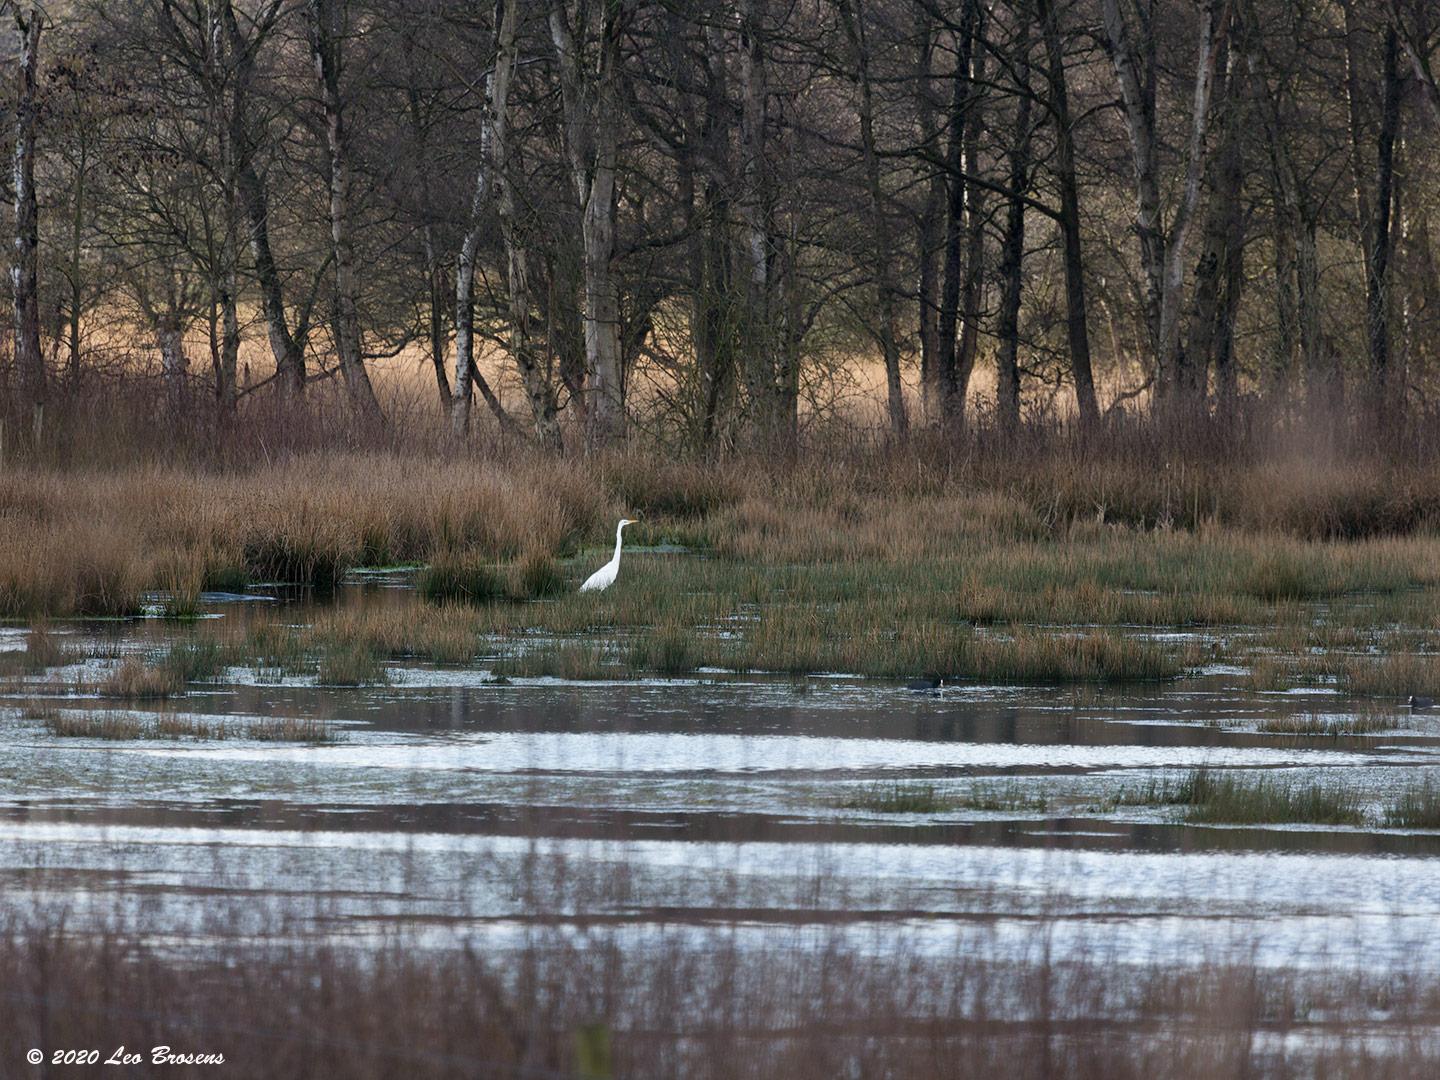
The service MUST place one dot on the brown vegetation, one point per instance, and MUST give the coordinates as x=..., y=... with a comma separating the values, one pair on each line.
x=554, y=1010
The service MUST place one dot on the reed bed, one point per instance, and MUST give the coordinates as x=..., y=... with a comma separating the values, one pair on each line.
x=91, y=540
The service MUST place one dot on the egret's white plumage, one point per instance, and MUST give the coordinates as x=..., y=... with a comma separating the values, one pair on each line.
x=605, y=577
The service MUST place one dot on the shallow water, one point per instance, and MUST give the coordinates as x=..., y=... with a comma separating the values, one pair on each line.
x=454, y=810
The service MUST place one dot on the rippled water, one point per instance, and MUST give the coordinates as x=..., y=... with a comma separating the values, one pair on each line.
x=453, y=810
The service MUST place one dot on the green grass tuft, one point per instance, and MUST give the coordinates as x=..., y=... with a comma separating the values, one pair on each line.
x=898, y=797
x=668, y=650
x=1415, y=808
x=351, y=665
x=1264, y=800
x=538, y=576
x=1361, y=723
x=452, y=577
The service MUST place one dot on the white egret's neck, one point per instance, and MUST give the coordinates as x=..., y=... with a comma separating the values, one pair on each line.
x=619, y=536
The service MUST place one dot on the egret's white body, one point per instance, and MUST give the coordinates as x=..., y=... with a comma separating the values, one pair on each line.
x=605, y=577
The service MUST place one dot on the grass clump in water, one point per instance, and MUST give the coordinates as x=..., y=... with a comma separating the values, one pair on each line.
x=1415, y=808
x=1003, y=798
x=444, y=633
x=576, y=660
x=668, y=650
x=1030, y=657
x=291, y=729
x=85, y=725
x=197, y=660
x=275, y=650
x=351, y=665
x=1263, y=800
x=1287, y=575
x=170, y=726
x=137, y=681
x=454, y=576
x=1360, y=723
x=538, y=576
x=898, y=797
x=1398, y=675
x=44, y=649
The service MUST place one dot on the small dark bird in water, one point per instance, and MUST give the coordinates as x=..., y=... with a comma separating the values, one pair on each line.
x=925, y=686
x=1418, y=702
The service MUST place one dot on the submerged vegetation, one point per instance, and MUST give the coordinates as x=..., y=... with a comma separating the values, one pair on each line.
x=131, y=726
x=927, y=797
x=1215, y=797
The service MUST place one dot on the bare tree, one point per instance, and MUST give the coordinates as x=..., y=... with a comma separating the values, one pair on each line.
x=24, y=272
x=326, y=25
x=590, y=93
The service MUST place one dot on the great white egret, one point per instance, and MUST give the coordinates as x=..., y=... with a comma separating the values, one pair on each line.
x=605, y=577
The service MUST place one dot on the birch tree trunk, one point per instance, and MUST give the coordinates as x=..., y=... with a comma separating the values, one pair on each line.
x=1162, y=254
x=327, y=54
x=946, y=374
x=590, y=98
x=762, y=342
x=1209, y=306
x=1137, y=95
x=971, y=290
x=173, y=364
x=24, y=272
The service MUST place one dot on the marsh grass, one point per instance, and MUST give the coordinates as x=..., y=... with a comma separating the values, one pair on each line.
x=1164, y=790
x=1416, y=807
x=1008, y=797
x=1365, y=722
x=927, y=797
x=443, y=633
x=577, y=660
x=291, y=729
x=351, y=665
x=200, y=659
x=69, y=724
x=45, y=649
x=668, y=650
x=1086, y=657
x=1043, y=540
x=537, y=576
x=459, y=577
x=136, y=680
x=275, y=650
x=898, y=797
x=1238, y=799
x=1393, y=676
